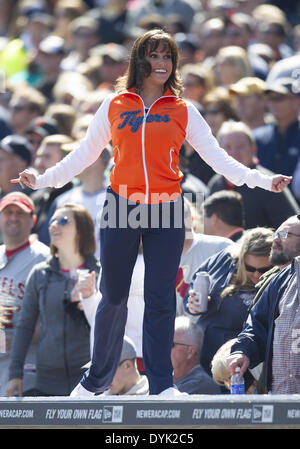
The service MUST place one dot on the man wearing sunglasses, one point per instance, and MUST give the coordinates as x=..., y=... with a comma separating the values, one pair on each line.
x=272, y=331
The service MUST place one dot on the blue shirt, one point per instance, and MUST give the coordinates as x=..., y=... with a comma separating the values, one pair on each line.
x=278, y=152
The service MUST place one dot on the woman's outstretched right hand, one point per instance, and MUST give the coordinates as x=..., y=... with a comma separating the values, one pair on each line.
x=26, y=178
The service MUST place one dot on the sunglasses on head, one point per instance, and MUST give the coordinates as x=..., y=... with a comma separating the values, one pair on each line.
x=261, y=270
x=62, y=221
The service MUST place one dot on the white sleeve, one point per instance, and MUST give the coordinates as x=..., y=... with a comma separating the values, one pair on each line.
x=97, y=137
x=295, y=185
x=90, y=305
x=199, y=135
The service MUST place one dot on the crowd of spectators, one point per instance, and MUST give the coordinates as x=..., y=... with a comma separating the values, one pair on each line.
x=59, y=59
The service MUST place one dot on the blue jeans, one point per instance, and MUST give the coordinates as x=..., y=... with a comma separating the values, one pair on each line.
x=162, y=248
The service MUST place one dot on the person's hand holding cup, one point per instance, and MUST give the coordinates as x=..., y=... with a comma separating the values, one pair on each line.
x=198, y=297
x=85, y=286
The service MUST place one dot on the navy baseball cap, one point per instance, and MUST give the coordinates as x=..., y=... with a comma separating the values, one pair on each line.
x=17, y=145
x=44, y=126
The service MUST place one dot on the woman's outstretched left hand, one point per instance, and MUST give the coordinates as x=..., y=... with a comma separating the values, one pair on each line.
x=280, y=182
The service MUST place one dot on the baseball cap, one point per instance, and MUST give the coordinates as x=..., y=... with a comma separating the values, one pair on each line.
x=18, y=145
x=248, y=85
x=114, y=51
x=18, y=199
x=186, y=41
x=53, y=45
x=128, y=350
x=84, y=22
x=44, y=126
x=280, y=85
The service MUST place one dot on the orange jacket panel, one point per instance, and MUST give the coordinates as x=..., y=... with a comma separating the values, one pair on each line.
x=146, y=146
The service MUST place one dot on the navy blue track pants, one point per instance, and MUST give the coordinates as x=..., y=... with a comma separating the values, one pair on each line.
x=161, y=229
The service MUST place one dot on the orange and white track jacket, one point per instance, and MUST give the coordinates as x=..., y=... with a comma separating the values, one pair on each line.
x=146, y=148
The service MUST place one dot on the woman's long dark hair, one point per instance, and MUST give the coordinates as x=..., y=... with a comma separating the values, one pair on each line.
x=139, y=68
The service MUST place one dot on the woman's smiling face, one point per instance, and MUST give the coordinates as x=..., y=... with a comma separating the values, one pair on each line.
x=161, y=63
x=62, y=228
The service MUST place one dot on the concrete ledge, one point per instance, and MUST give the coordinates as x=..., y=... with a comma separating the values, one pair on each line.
x=141, y=412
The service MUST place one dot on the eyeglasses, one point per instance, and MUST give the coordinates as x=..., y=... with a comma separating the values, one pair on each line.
x=62, y=221
x=179, y=344
x=260, y=270
x=283, y=235
x=18, y=107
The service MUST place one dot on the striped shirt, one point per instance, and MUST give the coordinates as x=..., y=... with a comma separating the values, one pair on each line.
x=286, y=344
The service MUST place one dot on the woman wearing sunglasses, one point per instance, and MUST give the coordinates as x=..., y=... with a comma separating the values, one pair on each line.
x=233, y=274
x=63, y=306
x=147, y=121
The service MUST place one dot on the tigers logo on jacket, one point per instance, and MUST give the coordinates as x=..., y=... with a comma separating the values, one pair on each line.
x=146, y=145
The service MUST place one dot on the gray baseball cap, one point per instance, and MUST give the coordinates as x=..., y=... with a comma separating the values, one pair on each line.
x=128, y=350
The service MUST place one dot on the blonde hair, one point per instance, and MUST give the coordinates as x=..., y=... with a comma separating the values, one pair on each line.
x=257, y=242
x=35, y=99
x=237, y=57
x=231, y=126
x=219, y=370
x=204, y=74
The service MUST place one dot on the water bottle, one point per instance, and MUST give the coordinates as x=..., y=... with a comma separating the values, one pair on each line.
x=237, y=384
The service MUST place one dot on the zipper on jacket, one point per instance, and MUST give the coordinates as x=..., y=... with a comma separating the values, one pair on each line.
x=171, y=160
x=65, y=340
x=143, y=140
x=143, y=154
